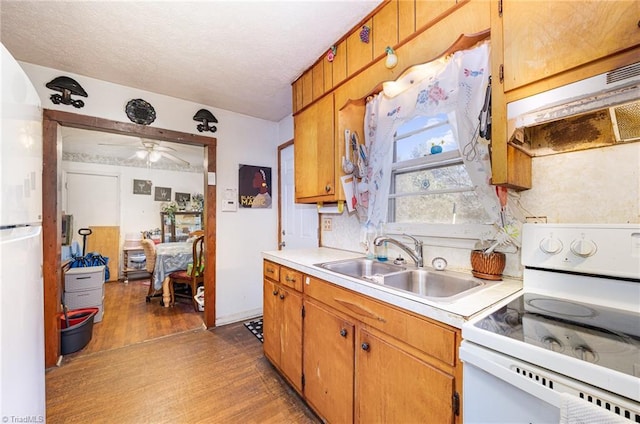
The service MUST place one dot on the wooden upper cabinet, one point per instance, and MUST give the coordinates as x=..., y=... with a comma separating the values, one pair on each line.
x=327, y=74
x=315, y=152
x=406, y=18
x=359, y=53
x=307, y=87
x=317, y=73
x=428, y=10
x=385, y=28
x=296, y=100
x=542, y=39
x=339, y=64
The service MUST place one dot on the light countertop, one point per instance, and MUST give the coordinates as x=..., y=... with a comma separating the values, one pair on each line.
x=454, y=313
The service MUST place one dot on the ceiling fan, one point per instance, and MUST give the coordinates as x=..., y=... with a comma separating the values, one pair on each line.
x=152, y=151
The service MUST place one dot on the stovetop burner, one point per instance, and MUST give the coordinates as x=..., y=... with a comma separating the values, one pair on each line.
x=600, y=335
x=559, y=307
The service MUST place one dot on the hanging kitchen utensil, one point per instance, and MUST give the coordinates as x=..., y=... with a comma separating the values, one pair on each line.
x=485, y=114
x=347, y=165
x=359, y=170
x=501, y=192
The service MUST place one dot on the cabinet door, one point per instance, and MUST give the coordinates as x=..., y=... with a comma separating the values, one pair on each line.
x=544, y=38
x=291, y=336
x=271, y=322
x=396, y=387
x=315, y=152
x=328, y=363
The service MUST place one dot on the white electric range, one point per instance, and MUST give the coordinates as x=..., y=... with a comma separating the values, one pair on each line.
x=567, y=349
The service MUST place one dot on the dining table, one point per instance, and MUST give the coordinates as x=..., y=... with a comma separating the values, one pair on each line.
x=170, y=257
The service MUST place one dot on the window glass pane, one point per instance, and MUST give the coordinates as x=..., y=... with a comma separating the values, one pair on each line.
x=444, y=178
x=438, y=209
x=415, y=138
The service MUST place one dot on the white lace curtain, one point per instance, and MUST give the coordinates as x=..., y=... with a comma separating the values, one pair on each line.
x=455, y=86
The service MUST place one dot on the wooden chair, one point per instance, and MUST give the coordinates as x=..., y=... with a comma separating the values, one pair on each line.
x=149, y=248
x=196, y=233
x=192, y=277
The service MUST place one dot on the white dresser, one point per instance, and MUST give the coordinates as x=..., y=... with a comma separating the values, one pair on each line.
x=84, y=288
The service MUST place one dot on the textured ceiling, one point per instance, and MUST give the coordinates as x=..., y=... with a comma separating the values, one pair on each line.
x=240, y=56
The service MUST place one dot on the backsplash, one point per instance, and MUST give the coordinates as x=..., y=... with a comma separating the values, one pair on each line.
x=590, y=186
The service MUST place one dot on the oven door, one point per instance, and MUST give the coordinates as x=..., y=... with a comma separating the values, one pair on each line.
x=498, y=389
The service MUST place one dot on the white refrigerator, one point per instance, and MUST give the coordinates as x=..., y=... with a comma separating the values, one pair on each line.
x=22, y=380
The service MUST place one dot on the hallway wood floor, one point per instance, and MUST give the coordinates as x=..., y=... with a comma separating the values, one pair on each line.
x=129, y=319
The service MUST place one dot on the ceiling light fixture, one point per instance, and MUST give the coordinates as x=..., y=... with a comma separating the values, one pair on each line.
x=154, y=156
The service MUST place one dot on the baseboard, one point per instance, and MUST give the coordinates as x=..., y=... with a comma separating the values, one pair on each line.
x=239, y=317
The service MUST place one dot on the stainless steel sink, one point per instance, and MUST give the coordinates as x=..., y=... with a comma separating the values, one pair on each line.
x=361, y=267
x=432, y=284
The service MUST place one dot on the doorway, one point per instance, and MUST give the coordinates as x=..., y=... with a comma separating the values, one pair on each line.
x=52, y=210
x=298, y=223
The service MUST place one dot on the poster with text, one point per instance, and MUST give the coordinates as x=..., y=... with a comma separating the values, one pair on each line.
x=254, y=186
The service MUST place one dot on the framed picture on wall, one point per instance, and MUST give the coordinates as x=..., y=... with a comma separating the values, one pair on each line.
x=183, y=197
x=163, y=194
x=142, y=187
x=255, y=187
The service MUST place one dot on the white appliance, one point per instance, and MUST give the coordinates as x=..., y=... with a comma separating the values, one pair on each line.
x=22, y=372
x=567, y=348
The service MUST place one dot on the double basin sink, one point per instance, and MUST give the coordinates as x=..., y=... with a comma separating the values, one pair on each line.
x=444, y=286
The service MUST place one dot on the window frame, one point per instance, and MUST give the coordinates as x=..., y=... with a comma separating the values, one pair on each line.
x=447, y=235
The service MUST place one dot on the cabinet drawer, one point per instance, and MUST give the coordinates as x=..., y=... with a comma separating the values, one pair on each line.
x=271, y=270
x=84, y=299
x=84, y=278
x=420, y=333
x=291, y=278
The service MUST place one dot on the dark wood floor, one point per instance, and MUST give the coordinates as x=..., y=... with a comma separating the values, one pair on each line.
x=190, y=376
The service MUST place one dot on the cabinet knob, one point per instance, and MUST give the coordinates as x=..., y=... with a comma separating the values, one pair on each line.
x=365, y=346
x=343, y=332
x=275, y=292
x=282, y=296
x=327, y=188
x=289, y=279
x=270, y=270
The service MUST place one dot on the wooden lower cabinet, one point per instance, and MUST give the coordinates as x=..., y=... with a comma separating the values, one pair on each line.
x=282, y=330
x=328, y=363
x=365, y=361
x=393, y=386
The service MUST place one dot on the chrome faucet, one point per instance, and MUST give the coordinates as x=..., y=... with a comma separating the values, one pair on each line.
x=415, y=255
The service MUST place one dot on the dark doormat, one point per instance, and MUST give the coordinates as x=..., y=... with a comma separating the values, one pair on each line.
x=255, y=327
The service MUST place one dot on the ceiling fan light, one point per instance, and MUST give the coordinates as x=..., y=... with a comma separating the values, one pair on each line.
x=154, y=156
x=141, y=154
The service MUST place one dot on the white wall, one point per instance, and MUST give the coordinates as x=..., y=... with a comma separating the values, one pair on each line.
x=137, y=212
x=241, y=235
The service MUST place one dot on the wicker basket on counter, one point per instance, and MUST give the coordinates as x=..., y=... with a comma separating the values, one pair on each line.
x=487, y=266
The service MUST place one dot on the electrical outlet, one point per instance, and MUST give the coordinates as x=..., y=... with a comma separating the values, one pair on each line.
x=536, y=219
x=326, y=224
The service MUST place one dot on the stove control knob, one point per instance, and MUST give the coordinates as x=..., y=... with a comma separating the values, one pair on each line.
x=551, y=245
x=553, y=344
x=585, y=353
x=583, y=248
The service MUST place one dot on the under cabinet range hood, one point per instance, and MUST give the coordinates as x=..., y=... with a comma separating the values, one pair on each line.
x=599, y=111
